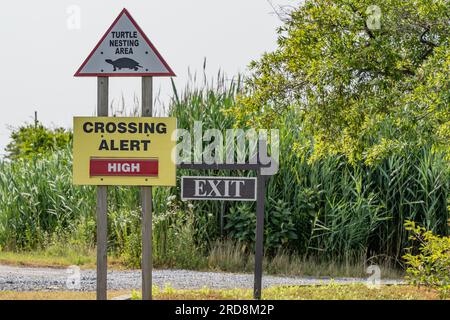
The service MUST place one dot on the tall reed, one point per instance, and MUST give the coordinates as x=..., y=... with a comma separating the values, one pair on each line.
x=327, y=210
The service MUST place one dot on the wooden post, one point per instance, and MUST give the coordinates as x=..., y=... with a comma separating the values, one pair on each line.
x=102, y=203
x=146, y=195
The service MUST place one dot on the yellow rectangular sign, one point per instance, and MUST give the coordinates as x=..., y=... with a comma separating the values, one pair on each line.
x=124, y=151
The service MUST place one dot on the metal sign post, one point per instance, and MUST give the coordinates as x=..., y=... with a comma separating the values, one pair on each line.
x=214, y=188
x=259, y=245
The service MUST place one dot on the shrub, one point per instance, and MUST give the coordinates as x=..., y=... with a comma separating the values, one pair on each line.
x=174, y=243
x=280, y=228
x=30, y=140
x=429, y=265
x=241, y=225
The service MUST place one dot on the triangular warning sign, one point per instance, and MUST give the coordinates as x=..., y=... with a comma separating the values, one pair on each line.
x=123, y=51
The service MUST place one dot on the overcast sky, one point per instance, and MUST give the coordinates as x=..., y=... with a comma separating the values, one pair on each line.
x=42, y=47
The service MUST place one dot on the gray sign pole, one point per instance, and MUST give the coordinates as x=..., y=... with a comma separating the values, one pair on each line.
x=146, y=195
x=260, y=201
x=102, y=202
x=259, y=248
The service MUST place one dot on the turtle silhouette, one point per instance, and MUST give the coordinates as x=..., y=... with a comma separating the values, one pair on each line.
x=125, y=63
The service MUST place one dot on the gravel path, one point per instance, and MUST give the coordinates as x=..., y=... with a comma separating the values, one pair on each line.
x=51, y=279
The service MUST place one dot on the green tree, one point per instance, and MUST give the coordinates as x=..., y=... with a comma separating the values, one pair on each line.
x=362, y=80
x=34, y=139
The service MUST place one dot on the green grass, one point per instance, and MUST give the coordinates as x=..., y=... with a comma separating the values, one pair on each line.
x=37, y=259
x=55, y=295
x=325, y=292
x=58, y=256
x=47, y=259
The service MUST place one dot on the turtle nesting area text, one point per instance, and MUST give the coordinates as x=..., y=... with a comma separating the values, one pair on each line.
x=124, y=41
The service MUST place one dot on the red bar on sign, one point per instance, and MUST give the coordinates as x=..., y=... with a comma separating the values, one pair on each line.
x=123, y=167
